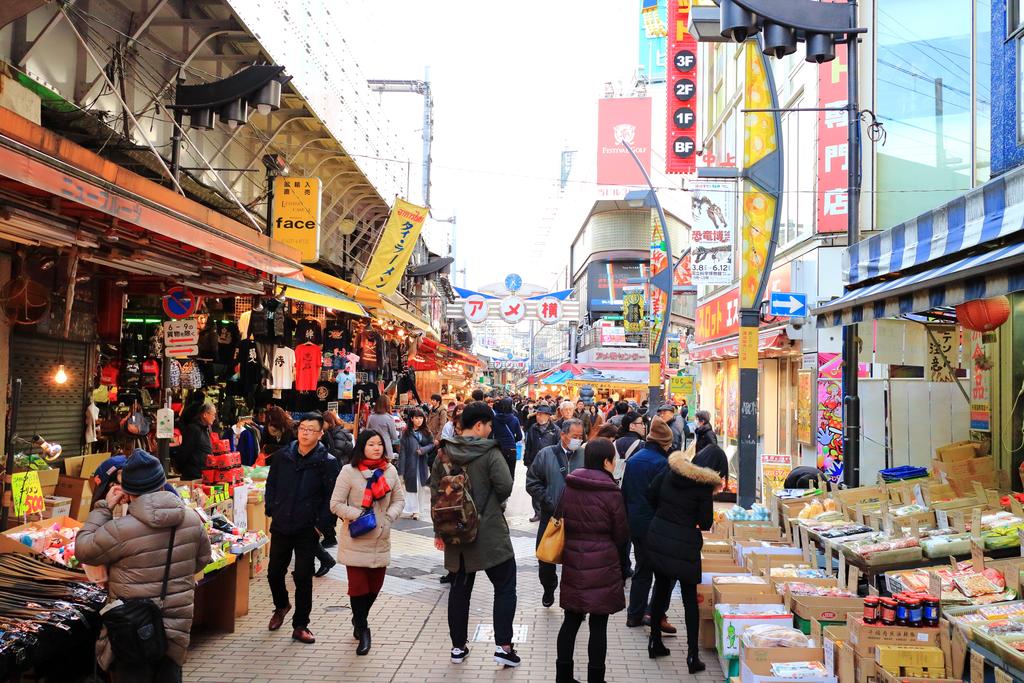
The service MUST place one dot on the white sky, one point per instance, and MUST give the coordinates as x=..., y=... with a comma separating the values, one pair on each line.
x=514, y=84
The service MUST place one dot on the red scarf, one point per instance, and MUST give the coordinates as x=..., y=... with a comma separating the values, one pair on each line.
x=377, y=485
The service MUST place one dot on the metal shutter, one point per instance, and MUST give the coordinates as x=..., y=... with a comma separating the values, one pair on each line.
x=56, y=412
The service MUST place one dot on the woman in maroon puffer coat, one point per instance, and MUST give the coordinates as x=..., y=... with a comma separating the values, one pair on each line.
x=594, y=515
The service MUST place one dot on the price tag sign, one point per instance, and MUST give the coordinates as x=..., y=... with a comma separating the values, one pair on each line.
x=843, y=568
x=976, y=525
x=165, y=423
x=977, y=667
x=27, y=493
x=1003, y=677
x=935, y=584
x=977, y=555
x=942, y=519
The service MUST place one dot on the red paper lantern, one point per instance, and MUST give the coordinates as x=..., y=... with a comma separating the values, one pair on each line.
x=984, y=315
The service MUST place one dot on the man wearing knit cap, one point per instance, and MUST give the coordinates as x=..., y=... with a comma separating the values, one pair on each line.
x=158, y=532
x=641, y=469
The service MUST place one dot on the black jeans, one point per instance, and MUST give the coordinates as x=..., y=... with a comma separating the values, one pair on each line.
x=503, y=578
x=659, y=605
x=640, y=585
x=304, y=544
x=546, y=570
x=597, y=646
x=164, y=671
x=510, y=460
x=322, y=554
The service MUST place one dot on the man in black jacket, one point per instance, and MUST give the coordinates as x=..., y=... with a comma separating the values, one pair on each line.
x=298, y=494
x=540, y=435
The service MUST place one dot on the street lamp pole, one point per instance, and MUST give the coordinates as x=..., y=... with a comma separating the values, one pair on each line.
x=662, y=281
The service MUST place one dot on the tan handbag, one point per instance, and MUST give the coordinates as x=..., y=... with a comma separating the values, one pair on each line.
x=552, y=543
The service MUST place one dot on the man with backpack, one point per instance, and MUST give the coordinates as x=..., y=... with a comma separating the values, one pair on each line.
x=545, y=482
x=468, y=486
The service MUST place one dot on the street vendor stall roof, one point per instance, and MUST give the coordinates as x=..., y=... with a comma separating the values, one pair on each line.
x=969, y=248
x=320, y=295
x=367, y=297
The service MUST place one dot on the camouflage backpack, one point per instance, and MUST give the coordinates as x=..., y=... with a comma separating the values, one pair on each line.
x=456, y=518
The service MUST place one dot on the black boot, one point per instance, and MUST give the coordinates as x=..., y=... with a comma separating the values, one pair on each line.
x=359, y=613
x=364, y=642
x=693, y=663
x=595, y=673
x=655, y=648
x=563, y=671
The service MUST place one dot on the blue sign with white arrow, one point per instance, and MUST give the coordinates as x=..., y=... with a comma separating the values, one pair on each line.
x=789, y=304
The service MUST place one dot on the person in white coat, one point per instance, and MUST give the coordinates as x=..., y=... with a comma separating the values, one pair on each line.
x=368, y=482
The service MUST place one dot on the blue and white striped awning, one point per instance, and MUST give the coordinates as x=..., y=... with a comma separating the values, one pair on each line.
x=992, y=273
x=988, y=213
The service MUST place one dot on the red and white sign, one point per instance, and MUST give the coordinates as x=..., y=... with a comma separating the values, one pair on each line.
x=512, y=309
x=833, y=156
x=181, y=338
x=549, y=310
x=623, y=119
x=681, y=155
x=475, y=308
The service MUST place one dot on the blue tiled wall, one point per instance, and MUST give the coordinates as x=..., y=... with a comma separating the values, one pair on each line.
x=1006, y=152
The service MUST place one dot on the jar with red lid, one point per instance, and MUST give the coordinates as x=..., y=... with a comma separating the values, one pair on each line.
x=888, y=611
x=871, y=609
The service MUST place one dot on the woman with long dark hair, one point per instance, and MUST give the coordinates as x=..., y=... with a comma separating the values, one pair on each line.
x=368, y=482
x=592, y=583
x=278, y=433
x=681, y=497
x=417, y=444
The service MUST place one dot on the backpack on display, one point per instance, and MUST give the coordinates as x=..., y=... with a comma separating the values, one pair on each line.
x=456, y=518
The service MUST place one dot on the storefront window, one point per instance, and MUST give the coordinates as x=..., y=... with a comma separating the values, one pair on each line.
x=924, y=86
x=799, y=141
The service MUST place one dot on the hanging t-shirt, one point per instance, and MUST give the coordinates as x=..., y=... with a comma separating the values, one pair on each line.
x=346, y=383
x=227, y=339
x=368, y=347
x=325, y=392
x=250, y=369
x=336, y=337
x=282, y=372
x=307, y=330
x=371, y=392
x=307, y=366
x=151, y=373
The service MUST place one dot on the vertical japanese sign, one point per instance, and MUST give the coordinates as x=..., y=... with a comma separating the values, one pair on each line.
x=395, y=247
x=659, y=263
x=832, y=140
x=712, y=235
x=980, y=366
x=829, y=435
x=943, y=352
x=297, y=215
x=680, y=157
x=653, y=31
x=633, y=311
x=623, y=120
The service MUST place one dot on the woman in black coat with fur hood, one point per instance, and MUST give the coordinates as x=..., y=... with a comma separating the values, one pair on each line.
x=681, y=497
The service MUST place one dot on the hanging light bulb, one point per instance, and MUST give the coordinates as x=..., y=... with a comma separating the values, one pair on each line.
x=61, y=377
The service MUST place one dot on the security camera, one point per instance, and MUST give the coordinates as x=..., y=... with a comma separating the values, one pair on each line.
x=798, y=322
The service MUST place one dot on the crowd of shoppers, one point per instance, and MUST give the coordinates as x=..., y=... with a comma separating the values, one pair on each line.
x=614, y=478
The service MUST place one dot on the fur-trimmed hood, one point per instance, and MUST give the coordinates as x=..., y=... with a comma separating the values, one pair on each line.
x=701, y=476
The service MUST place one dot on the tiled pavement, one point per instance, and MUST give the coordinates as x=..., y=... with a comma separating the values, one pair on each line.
x=410, y=628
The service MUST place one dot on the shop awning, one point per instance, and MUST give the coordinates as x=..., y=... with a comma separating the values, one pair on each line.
x=317, y=294
x=987, y=274
x=432, y=346
x=367, y=297
x=770, y=340
x=51, y=165
x=991, y=213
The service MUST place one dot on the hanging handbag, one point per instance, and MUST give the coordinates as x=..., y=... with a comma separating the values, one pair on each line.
x=135, y=627
x=552, y=543
x=363, y=524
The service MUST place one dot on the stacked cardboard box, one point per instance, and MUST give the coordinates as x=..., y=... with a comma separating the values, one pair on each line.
x=961, y=464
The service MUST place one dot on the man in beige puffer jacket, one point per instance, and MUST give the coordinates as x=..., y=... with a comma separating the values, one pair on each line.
x=134, y=550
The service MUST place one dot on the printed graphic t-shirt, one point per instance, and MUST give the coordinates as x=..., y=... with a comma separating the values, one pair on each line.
x=307, y=366
x=282, y=368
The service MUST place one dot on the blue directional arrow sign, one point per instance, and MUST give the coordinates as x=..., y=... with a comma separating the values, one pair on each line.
x=789, y=304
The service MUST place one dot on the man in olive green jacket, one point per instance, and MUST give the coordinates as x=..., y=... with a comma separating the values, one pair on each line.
x=492, y=551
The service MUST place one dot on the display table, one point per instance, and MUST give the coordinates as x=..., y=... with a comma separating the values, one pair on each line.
x=991, y=664
x=223, y=596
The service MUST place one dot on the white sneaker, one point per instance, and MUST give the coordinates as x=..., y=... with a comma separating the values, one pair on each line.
x=459, y=654
x=509, y=658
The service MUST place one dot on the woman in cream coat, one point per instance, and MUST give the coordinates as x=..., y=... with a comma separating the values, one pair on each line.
x=368, y=481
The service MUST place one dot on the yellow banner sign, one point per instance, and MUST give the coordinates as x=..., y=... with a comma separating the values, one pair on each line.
x=748, y=347
x=396, y=244
x=296, y=215
x=27, y=493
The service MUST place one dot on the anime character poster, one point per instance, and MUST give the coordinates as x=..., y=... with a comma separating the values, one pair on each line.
x=804, y=414
x=830, y=428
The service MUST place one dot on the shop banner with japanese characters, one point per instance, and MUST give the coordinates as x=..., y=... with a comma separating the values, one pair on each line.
x=943, y=353
x=297, y=215
x=714, y=217
x=832, y=142
x=681, y=155
x=395, y=247
x=979, y=365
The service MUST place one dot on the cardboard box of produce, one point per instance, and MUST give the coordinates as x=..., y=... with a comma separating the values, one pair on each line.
x=748, y=676
x=717, y=548
x=731, y=620
x=744, y=550
x=11, y=545
x=883, y=676
x=707, y=632
x=896, y=658
x=757, y=661
x=832, y=639
x=823, y=608
x=749, y=531
x=743, y=593
x=827, y=582
x=957, y=451
x=705, y=601
x=56, y=506
x=80, y=493
x=865, y=637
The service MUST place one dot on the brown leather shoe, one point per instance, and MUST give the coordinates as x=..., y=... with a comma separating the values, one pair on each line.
x=303, y=635
x=278, y=618
x=667, y=628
